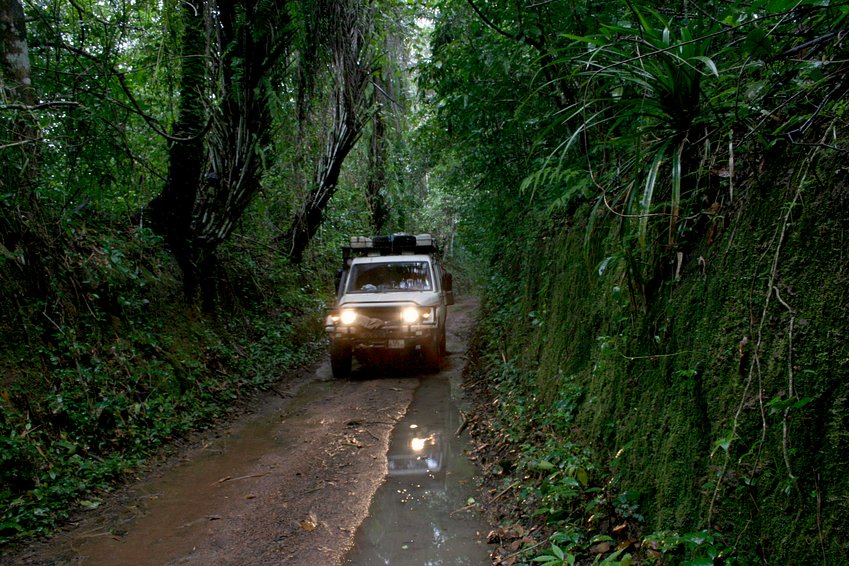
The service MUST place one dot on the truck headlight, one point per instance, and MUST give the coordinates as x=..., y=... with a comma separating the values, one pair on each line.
x=348, y=317
x=410, y=315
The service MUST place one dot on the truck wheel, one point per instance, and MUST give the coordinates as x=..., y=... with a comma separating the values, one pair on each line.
x=340, y=360
x=431, y=353
x=443, y=351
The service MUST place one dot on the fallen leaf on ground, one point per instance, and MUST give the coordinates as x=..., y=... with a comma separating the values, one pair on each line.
x=502, y=534
x=310, y=523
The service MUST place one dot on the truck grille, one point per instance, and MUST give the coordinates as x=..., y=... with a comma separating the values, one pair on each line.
x=390, y=315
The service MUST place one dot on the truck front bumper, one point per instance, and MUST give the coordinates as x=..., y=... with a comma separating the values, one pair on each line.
x=389, y=338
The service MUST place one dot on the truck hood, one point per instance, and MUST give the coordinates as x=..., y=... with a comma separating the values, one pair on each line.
x=420, y=298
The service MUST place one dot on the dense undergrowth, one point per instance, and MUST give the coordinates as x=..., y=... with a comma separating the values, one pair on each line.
x=104, y=360
x=698, y=419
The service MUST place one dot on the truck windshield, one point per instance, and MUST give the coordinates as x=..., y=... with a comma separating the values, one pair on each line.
x=389, y=277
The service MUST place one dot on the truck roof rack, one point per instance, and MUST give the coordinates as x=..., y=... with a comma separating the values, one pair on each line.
x=392, y=244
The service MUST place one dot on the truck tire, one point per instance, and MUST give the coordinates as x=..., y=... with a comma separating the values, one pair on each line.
x=443, y=351
x=340, y=360
x=432, y=354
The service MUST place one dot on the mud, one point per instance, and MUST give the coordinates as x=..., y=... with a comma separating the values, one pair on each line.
x=287, y=484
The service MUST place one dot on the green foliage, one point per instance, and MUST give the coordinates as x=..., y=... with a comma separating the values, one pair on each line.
x=114, y=363
x=648, y=99
x=701, y=548
x=558, y=483
x=663, y=99
x=567, y=547
x=98, y=150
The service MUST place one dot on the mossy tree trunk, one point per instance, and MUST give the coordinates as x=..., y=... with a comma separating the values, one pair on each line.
x=21, y=234
x=18, y=135
x=215, y=171
x=172, y=210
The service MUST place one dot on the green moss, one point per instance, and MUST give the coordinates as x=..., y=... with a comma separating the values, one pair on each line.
x=686, y=399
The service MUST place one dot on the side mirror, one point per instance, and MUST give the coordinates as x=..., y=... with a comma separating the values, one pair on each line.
x=448, y=288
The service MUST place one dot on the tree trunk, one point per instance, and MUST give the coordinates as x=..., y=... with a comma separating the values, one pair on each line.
x=14, y=58
x=214, y=172
x=352, y=71
x=171, y=212
x=376, y=186
x=20, y=215
x=240, y=130
x=15, y=88
x=344, y=135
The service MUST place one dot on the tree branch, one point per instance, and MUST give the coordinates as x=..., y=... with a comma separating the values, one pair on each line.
x=490, y=24
x=135, y=107
x=41, y=105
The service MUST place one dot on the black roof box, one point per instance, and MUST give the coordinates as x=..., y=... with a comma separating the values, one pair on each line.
x=391, y=244
x=400, y=242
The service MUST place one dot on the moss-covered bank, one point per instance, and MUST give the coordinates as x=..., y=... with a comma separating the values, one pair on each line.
x=713, y=393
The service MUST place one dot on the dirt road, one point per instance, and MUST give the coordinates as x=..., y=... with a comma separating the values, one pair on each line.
x=287, y=484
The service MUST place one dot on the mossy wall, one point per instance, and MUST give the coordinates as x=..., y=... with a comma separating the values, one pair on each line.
x=717, y=393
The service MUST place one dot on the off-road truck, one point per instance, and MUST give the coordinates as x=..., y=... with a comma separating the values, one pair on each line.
x=391, y=304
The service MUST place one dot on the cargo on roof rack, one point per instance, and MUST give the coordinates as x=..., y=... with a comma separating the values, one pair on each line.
x=391, y=244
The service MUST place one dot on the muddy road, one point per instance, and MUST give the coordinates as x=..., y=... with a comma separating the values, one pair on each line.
x=293, y=481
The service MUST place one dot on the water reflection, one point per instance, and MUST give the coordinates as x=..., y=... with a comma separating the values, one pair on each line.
x=420, y=453
x=421, y=516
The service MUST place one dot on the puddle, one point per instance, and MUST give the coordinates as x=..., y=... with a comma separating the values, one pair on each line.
x=421, y=515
